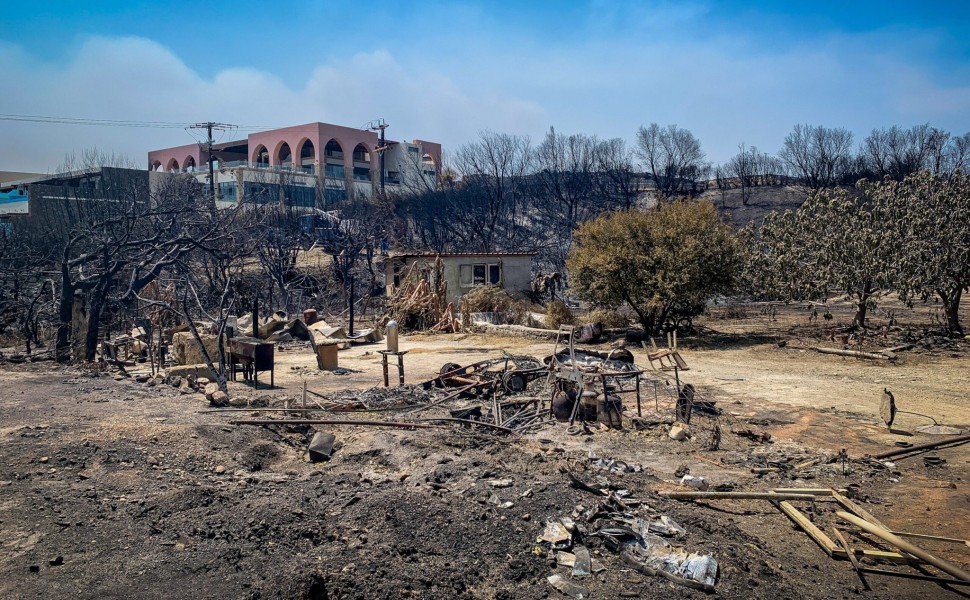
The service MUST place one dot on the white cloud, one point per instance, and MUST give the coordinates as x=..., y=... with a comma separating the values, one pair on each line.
x=138, y=79
x=449, y=86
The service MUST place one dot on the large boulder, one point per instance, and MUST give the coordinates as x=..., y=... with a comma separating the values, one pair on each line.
x=186, y=351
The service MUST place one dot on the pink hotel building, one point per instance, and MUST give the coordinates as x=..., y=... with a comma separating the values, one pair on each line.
x=304, y=160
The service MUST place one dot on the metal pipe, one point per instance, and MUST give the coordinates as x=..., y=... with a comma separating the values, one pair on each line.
x=471, y=422
x=330, y=422
x=905, y=546
x=962, y=439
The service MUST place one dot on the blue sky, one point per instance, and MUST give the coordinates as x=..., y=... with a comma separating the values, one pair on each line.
x=731, y=72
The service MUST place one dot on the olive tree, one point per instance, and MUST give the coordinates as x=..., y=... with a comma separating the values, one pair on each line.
x=675, y=255
x=931, y=215
x=835, y=242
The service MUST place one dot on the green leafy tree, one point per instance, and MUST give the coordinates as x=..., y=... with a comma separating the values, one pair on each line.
x=835, y=242
x=677, y=255
x=932, y=217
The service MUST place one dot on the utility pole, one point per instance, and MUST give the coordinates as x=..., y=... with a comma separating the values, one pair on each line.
x=209, y=126
x=380, y=125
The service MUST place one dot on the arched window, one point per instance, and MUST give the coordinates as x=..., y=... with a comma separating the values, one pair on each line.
x=333, y=154
x=361, y=154
x=261, y=156
x=361, y=163
x=284, y=156
x=173, y=166
x=307, y=156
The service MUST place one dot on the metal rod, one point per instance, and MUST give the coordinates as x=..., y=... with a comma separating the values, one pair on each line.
x=962, y=439
x=254, y=409
x=330, y=422
x=470, y=422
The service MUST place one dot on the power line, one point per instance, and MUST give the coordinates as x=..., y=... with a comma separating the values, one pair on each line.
x=209, y=126
x=113, y=122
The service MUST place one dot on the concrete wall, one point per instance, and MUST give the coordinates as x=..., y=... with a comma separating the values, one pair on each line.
x=515, y=271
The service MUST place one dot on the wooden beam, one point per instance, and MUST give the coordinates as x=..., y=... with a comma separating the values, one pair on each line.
x=855, y=508
x=939, y=563
x=852, y=558
x=824, y=541
x=735, y=496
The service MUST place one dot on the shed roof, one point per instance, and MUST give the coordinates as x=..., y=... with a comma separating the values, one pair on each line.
x=458, y=254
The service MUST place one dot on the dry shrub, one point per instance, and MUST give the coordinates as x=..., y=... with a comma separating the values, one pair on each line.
x=557, y=313
x=610, y=319
x=417, y=305
x=493, y=299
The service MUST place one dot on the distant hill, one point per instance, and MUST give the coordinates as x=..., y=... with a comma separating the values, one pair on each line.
x=763, y=200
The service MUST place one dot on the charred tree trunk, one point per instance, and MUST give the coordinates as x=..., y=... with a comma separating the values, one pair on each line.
x=862, y=307
x=95, y=309
x=65, y=315
x=951, y=308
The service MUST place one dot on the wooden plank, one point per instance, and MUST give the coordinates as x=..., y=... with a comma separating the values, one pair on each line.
x=884, y=534
x=855, y=508
x=880, y=555
x=852, y=559
x=735, y=496
x=824, y=541
x=853, y=353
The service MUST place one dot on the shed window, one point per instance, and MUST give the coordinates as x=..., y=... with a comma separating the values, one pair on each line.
x=494, y=274
x=472, y=275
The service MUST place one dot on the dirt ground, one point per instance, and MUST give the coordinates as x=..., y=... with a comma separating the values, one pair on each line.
x=111, y=488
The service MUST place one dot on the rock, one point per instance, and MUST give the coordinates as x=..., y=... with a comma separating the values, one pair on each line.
x=321, y=446
x=56, y=561
x=679, y=431
x=219, y=470
x=175, y=381
x=210, y=389
x=695, y=482
x=198, y=370
x=142, y=378
x=219, y=398
x=34, y=568
x=44, y=459
x=185, y=350
x=202, y=381
x=500, y=483
x=238, y=402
